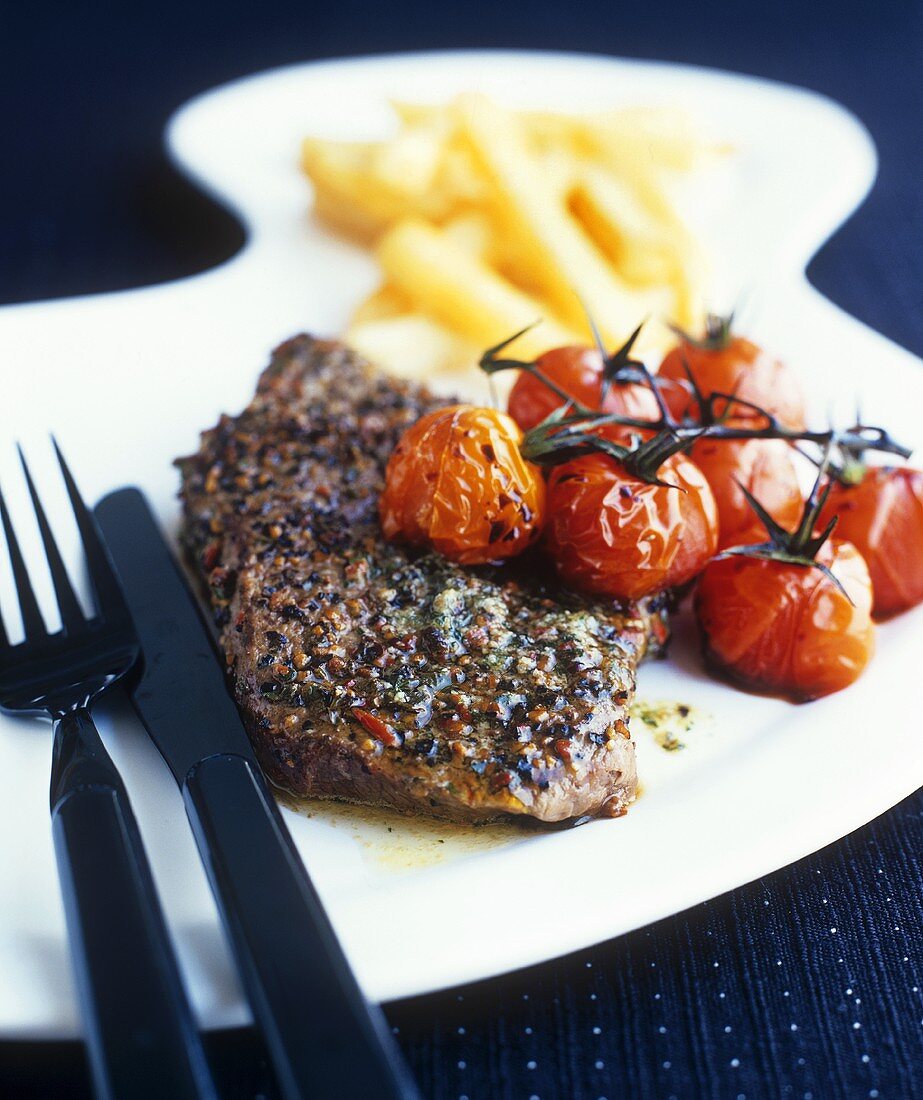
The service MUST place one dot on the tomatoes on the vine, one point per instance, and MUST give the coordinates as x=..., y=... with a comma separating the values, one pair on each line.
x=762, y=466
x=614, y=534
x=727, y=363
x=458, y=483
x=578, y=372
x=787, y=628
x=882, y=515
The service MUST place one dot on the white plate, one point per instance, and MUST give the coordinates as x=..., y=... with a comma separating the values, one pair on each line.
x=127, y=380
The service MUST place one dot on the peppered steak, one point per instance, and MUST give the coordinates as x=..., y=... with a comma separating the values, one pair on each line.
x=375, y=674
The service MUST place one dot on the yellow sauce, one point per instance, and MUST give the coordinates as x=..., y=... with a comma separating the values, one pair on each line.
x=401, y=843
x=668, y=722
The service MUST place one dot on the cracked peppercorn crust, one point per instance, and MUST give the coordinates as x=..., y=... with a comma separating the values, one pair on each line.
x=368, y=672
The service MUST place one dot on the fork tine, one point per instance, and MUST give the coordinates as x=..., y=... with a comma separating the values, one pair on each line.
x=32, y=621
x=105, y=587
x=71, y=612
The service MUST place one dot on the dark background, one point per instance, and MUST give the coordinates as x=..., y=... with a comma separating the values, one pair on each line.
x=805, y=984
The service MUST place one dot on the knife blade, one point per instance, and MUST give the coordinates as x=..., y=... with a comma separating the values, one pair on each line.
x=324, y=1039
x=181, y=695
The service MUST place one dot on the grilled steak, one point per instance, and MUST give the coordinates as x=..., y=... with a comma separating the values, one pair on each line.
x=375, y=674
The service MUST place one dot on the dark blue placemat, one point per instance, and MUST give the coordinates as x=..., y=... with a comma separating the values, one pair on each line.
x=805, y=984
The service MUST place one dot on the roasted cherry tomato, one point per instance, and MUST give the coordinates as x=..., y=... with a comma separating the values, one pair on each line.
x=578, y=372
x=613, y=534
x=457, y=482
x=764, y=467
x=784, y=628
x=727, y=363
x=883, y=516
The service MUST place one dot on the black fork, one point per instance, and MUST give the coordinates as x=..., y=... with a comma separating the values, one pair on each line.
x=140, y=1030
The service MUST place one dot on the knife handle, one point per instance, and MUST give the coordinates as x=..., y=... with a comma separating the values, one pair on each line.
x=324, y=1039
x=141, y=1035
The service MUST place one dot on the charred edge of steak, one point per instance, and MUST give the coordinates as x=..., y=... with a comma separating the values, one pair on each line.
x=369, y=673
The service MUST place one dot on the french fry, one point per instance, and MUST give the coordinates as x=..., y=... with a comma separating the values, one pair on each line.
x=644, y=250
x=459, y=183
x=472, y=232
x=408, y=164
x=361, y=189
x=689, y=279
x=636, y=170
x=561, y=259
x=665, y=134
x=342, y=195
x=411, y=345
x=433, y=115
x=639, y=247
x=663, y=137
x=385, y=302
x=486, y=219
x=463, y=293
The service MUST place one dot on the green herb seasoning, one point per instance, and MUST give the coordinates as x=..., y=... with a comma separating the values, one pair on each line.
x=669, y=722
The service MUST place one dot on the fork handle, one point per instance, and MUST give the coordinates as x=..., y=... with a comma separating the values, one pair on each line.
x=324, y=1039
x=140, y=1030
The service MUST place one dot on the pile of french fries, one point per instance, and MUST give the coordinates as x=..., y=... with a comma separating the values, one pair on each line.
x=484, y=220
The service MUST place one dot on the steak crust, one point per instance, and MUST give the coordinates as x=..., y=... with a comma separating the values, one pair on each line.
x=369, y=672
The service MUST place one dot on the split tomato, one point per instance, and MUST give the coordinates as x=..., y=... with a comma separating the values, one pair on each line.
x=762, y=466
x=727, y=363
x=458, y=483
x=578, y=372
x=615, y=534
x=784, y=627
x=883, y=516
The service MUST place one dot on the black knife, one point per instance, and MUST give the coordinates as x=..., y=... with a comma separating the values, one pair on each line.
x=324, y=1039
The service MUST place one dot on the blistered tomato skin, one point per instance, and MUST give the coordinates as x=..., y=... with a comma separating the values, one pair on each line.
x=456, y=482
x=578, y=372
x=739, y=367
x=764, y=467
x=612, y=534
x=411, y=477
x=787, y=629
x=883, y=517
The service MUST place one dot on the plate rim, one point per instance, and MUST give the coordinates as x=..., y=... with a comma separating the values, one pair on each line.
x=451, y=980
